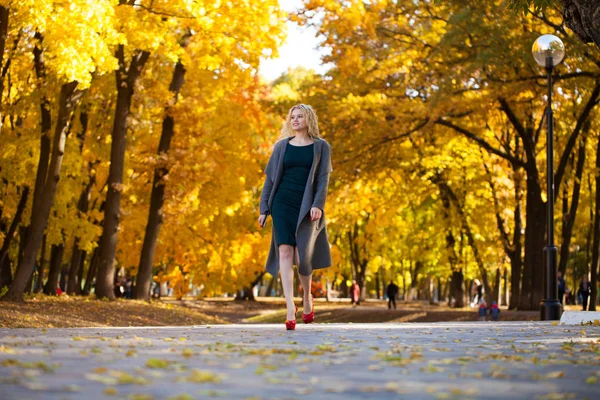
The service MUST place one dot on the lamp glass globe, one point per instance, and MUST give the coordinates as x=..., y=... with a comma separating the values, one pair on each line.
x=548, y=46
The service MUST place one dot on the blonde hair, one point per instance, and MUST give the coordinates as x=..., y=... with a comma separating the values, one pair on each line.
x=312, y=122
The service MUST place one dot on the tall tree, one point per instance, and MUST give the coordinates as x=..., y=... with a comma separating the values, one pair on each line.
x=157, y=195
x=126, y=78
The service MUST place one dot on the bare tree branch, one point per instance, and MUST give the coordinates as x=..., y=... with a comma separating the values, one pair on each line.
x=588, y=74
x=385, y=140
x=481, y=142
x=528, y=143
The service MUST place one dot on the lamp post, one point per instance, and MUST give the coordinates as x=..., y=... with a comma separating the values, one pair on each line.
x=548, y=51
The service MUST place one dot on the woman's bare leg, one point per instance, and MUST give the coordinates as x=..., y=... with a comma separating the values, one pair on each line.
x=286, y=253
x=306, y=282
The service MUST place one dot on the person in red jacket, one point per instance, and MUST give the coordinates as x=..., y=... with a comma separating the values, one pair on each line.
x=482, y=310
x=355, y=293
x=495, y=311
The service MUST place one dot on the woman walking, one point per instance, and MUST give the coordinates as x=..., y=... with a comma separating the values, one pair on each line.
x=294, y=193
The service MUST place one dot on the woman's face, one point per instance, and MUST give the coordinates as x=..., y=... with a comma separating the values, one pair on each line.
x=298, y=120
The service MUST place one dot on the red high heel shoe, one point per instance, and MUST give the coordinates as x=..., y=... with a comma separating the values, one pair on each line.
x=308, y=318
x=291, y=325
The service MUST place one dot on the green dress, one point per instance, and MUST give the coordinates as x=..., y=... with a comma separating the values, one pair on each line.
x=297, y=163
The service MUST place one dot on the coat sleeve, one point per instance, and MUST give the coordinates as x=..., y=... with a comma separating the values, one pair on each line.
x=269, y=181
x=322, y=180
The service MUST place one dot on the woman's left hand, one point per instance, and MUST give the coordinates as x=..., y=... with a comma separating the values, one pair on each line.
x=315, y=213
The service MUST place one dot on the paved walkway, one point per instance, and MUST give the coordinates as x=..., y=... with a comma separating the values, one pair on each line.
x=319, y=361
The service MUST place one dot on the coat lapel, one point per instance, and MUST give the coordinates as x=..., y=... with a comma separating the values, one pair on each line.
x=280, y=162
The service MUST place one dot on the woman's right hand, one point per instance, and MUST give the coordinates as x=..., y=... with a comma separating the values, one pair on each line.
x=262, y=219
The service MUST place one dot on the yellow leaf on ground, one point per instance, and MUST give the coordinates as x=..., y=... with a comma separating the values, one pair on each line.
x=110, y=391
x=157, y=363
x=555, y=375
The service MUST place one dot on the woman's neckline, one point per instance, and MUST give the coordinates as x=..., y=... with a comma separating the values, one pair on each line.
x=293, y=145
x=306, y=145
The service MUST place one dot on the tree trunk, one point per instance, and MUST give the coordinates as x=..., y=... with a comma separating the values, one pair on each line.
x=23, y=230
x=248, y=290
x=457, y=275
x=46, y=124
x=570, y=215
x=430, y=287
x=245, y=294
x=80, y=271
x=377, y=284
x=403, y=285
x=497, y=283
x=447, y=291
x=29, y=286
x=414, y=275
x=4, y=14
x=157, y=197
x=358, y=261
x=125, y=79
x=91, y=273
x=5, y=272
x=39, y=282
x=581, y=16
x=516, y=262
x=532, y=285
x=596, y=235
x=457, y=288
x=504, y=298
x=69, y=99
x=78, y=255
x=590, y=224
x=56, y=255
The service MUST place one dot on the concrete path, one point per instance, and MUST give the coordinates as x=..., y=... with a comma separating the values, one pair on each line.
x=320, y=361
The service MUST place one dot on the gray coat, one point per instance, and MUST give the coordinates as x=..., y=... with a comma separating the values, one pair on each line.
x=311, y=236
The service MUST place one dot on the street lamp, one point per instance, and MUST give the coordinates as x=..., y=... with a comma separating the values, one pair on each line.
x=548, y=51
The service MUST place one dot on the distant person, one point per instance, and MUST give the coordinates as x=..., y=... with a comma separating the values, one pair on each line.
x=476, y=292
x=479, y=291
x=355, y=293
x=155, y=290
x=561, y=287
x=482, y=310
x=128, y=287
x=392, y=292
x=585, y=289
x=64, y=277
x=117, y=288
x=494, y=311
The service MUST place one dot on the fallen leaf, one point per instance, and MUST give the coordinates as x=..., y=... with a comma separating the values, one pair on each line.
x=157, y=363
x=555, y=375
